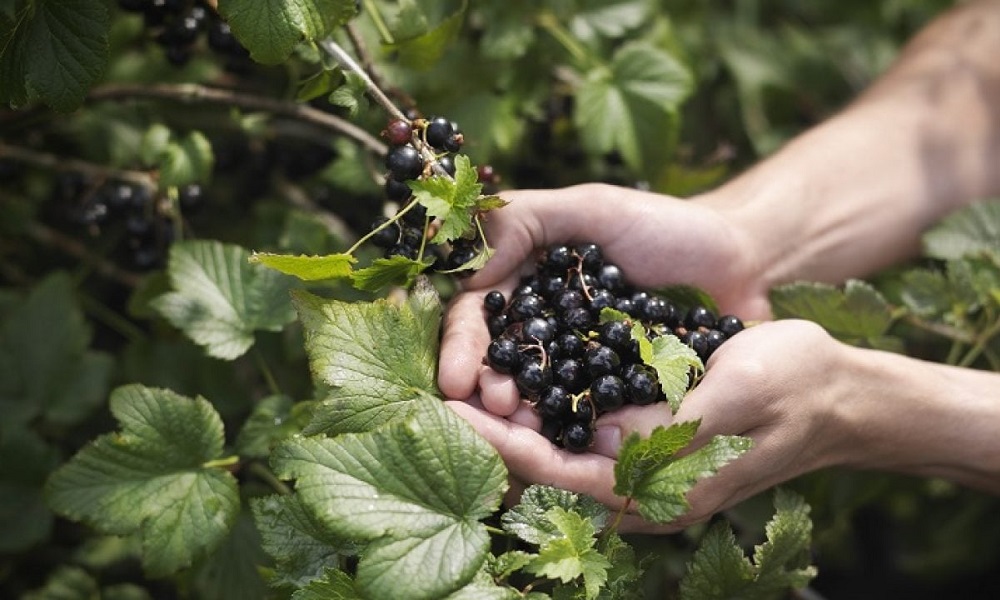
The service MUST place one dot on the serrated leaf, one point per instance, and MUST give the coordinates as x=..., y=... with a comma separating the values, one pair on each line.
x=273, y=419
x=425, y=50
x=414, y=490
x=853, y=313
x=627, y=106
x=333, y=585
x=54, y=51
x=720, y=570
x=488, y=203
x=475, y=263
x=925, y=292
x=46, y=369
x=639, y=458
x=308, y=268
x=301, y=547
x=504, y=565
x=270, y=29
x=971, y=230
x=188, y=160
x=625, y=574
x=378, y=358
x=385, y=273
x=220, y=299
x=673, y=361
x=529, y=520
x=151, y=478
x=350, y=94
x=571, y=555
x=453, y=200
x=660, y=491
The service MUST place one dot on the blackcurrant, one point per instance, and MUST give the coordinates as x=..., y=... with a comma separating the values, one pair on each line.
x=570, y=374
x=699, y=316
x=502, y=355
x=404, y=162
x=557, y=259
x=698, y=342
x=601, y=360
x=554, y=403
x=398, y=132
x=537, y=330
x=642, y=388
x=607, y=392
x=729, y=325
x=494, y=301
x=616, y=335
x=525, y=306
x=386, y=237
x=397, y=190
x=577, y=437
x=578, y=318
x=533, y=377
x=438, y=131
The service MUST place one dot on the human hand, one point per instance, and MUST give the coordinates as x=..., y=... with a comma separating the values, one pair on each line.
x=781, y=384
x=655, y=239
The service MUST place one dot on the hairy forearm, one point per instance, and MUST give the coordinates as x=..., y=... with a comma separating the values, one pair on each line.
x=920, y=418
x=853, y=195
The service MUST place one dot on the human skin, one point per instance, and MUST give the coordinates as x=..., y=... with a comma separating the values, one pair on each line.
x=845, y=199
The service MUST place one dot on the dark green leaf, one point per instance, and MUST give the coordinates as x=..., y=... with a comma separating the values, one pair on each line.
x=66, y=583
x=718, y=570
x=25, y=462
x=154, y=477
x=350, y=94
x=270, y=29
x=333, y=585
x=638, y=459
x=414, y=490
x=529, y=520
x=232, y=571
x=424, y=51
x=220, y=299
x=378, y=358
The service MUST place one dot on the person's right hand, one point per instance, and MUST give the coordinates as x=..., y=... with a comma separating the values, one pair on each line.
x=656, y=240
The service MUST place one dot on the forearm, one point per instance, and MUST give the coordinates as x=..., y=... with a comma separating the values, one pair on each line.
x=922, y=418
x=853, y=195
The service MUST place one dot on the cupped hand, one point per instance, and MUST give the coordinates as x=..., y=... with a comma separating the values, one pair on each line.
x=656, y=240
x=778, y=383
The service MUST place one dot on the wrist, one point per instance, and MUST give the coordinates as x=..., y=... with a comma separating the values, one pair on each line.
x=920, y=418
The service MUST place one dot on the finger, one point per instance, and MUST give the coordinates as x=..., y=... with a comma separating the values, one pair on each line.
x=615, y=426
x=463, y=345
x=533, y=459
x=499, y=392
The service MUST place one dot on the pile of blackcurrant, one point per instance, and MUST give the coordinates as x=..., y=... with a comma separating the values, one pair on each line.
x=569, y=364
x=178, y=24
x=404, y=234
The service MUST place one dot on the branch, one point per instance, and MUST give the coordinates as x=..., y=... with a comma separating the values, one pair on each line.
x=188, y=93
x=76, y=249
x=91, y=170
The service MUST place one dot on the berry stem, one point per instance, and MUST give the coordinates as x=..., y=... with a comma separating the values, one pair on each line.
x=347, y=62
x=550, y=23
x=394, y=219
x=981, y=341
x=260, y=470
x=371, y=9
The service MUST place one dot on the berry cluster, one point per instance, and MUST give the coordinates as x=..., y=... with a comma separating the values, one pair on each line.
x=178, y=24
x=570, y=365
x=404, y=234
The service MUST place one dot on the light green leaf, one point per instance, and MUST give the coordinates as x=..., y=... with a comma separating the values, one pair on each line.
x=454, y=201
x=502, y=566
x=488, y=203
x=855, y=313
x=384, y=273
x=972, y=230
x=153, y=478
x=378, y=358
x=660, y=486
x=54, y=51
x=572, y=555
x=414, y=490
x=307, y=268
x=629, y=105
x=220, y=299
x=301, y=547
x=46, y=368
x=333, y=585
x=529, y=520
x=639, y=458
x=720, y=570
x=674, y=361
x=188, y=160
x=270, y=29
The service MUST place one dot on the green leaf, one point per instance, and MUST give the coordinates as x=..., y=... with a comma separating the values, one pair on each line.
x=971, y=230
x=529, y=520
x=628, y=106
x=333, y=585
x=610, y=19
x=720, y=570
x=638, y=458
x=502, y=566
x=188, y=160
x=384, y=273
x=25, y=462
x=454, y=201
x=270, y=29
x=301, y=547
x=273, y=419
x=46, y=368
x=648, y=472
x=855, y=313
x=625, y=575
x=54, y=50
x=155, y=142
x=378, y=358
x=572, y=554
x=220, y=299
x=153, y=478
x=414, y=491
x=425, y=50
x=308, y=268
x=233, y=570
x=322, y=83
x=66, y=583
x=351, y=94
x=674, y=361
x=475, y=263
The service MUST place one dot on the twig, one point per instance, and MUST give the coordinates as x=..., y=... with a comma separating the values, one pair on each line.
x=61, y=163
x=347, y=61
x=189, y=93
x=74, y=248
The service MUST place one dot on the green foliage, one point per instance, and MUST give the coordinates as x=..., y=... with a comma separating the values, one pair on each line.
x=973, y=231
x=856, y=314
x=272, y=28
